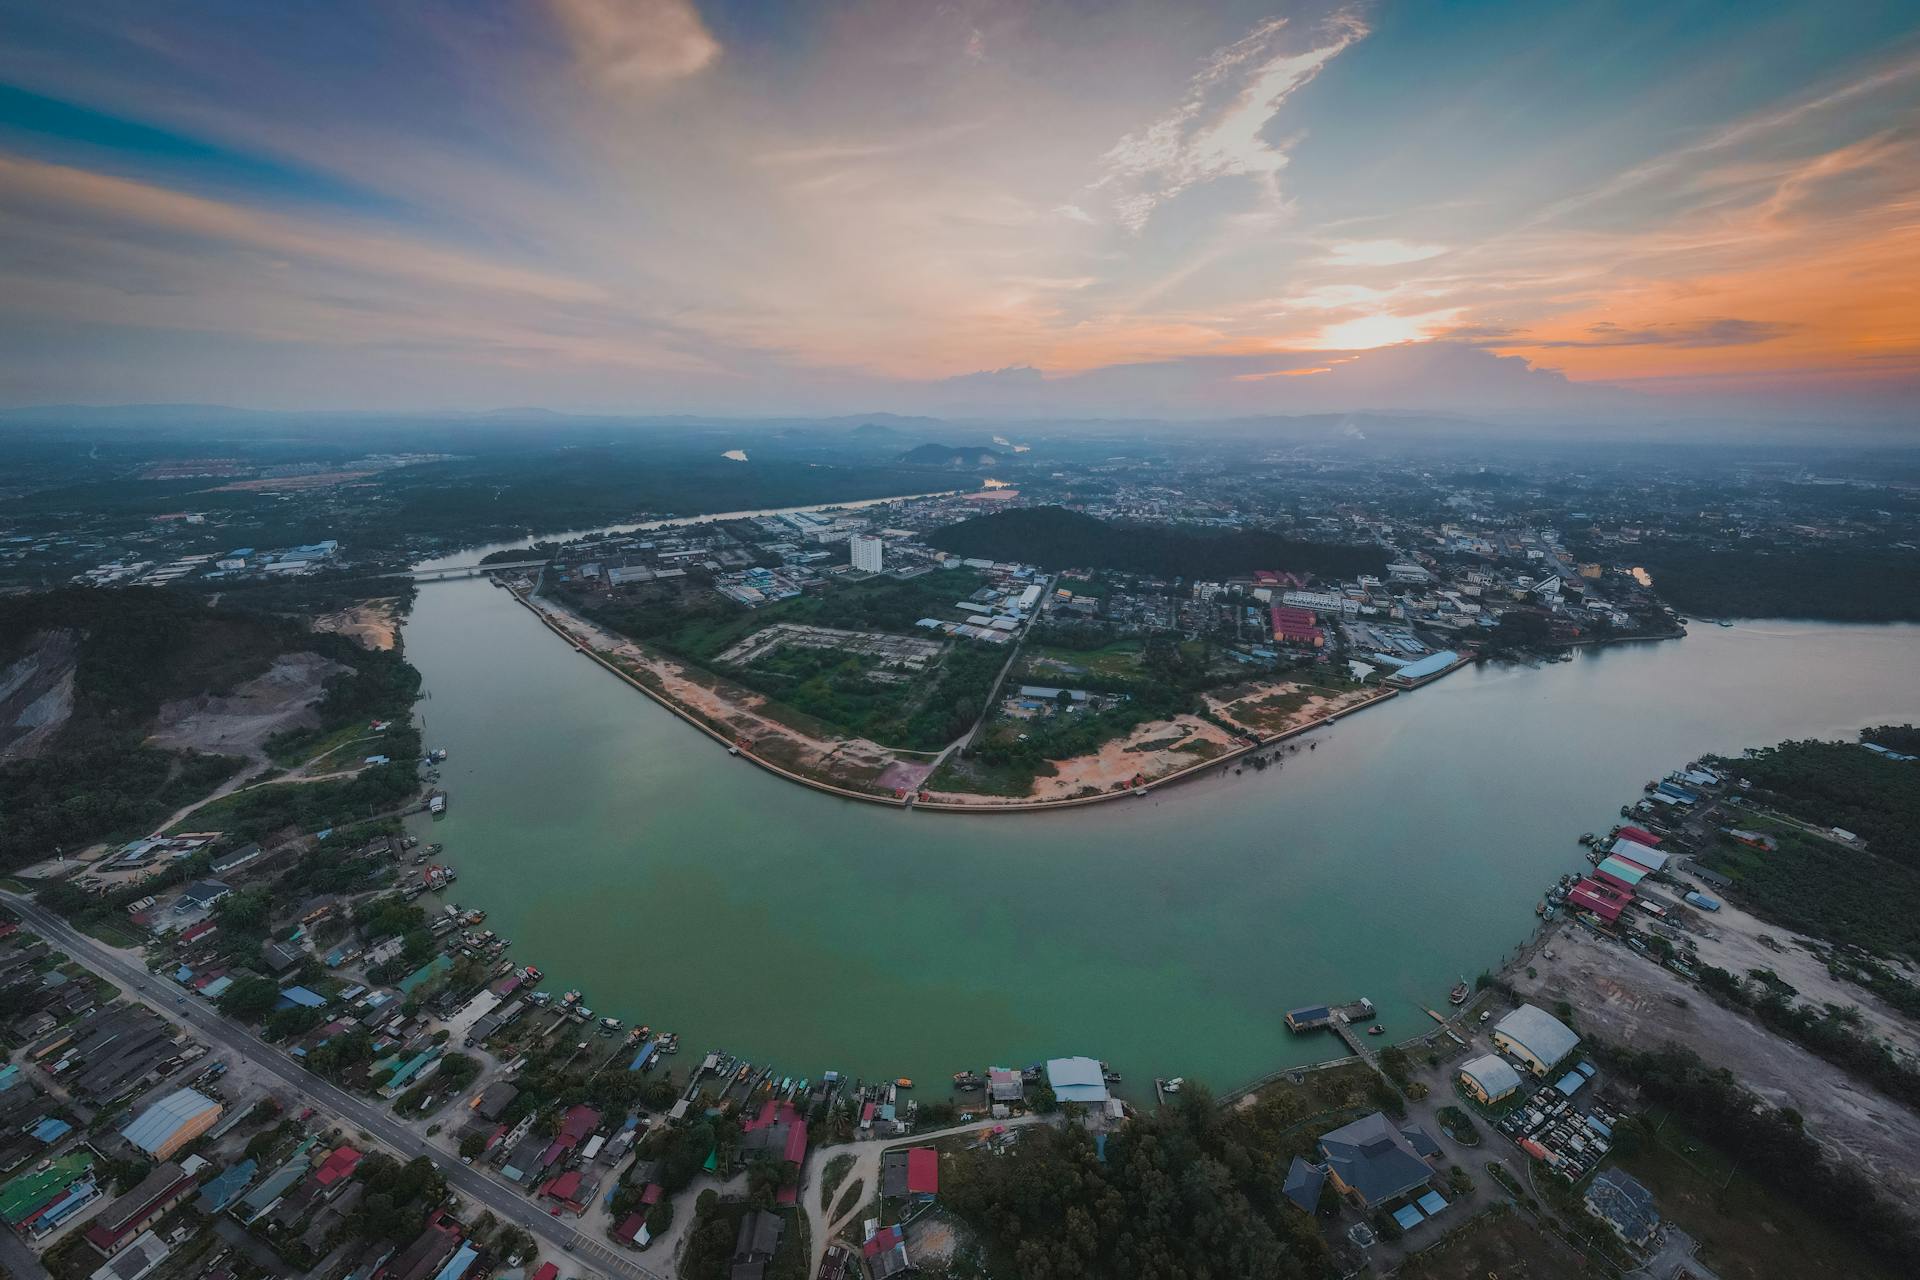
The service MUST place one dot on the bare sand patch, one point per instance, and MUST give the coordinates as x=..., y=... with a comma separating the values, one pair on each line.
x=374, y=624
x=1274, y=707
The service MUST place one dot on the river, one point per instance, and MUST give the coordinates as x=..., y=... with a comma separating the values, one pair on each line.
x=629, y=856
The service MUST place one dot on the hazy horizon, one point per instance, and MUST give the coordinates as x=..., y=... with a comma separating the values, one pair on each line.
x=978, y=210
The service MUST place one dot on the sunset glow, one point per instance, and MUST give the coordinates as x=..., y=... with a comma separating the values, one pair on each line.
x=736, y=207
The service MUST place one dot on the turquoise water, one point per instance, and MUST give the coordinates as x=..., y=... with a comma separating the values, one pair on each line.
x=631, y=857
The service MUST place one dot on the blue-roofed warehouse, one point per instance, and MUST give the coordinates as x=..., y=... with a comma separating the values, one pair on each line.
x=1076, y=1080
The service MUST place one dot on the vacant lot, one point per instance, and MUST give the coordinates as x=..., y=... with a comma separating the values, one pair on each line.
x=1626, y=999
x=1743, y=1230
x=1498, y=1243
x=239, y=723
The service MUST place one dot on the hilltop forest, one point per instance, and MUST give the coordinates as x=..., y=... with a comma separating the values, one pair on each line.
x=85, y=674
x=1056, y=538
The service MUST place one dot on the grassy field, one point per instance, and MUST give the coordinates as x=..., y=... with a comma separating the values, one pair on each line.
x=1046, y=664
x=1744, y=1230
x=296, y=749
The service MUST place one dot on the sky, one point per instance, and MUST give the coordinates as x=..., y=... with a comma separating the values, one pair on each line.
x=964, y=206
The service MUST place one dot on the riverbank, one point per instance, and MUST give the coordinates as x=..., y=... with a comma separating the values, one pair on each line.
x=1172, y=929
x=735, y=719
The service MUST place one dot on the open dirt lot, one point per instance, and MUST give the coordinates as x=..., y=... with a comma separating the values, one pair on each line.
x=1736, y=947
x=373, y=623
x=239, y=722
x=1275, y=707
x=1120, y=761
x=1626, y=998
x=1506, y=1245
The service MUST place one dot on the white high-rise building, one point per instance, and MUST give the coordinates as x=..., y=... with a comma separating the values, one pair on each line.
x=867, y=552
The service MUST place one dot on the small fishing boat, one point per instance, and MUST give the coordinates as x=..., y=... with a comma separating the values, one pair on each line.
x=903, y=1083
x=966, y=1080
x=1376, y=1030
x=1460, y=992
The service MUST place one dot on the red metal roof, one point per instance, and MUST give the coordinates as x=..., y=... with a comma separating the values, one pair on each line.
x=883, y=1240
x=1611, y=881
x=652, y=1193
x=796, y=1141
x=340, y=1164
x=580, y=1121
x=1638, y=836
x=629, y=1228
x=1602, y=899
x=565, y=1186
x=923, y=1171
x=547, y=1271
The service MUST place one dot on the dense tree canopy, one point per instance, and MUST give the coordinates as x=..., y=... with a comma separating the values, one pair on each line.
x=1055, y=538
x=1181, y=1196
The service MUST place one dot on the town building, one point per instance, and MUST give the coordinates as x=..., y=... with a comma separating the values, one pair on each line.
x=1536, y=1037
x=753, y=1248
x=115, y=1226
x=1373, y=1161
x=910, y=1175
x=1618, y=1200
x=868, y=552
x=1077, y=1080
x=1489, y=1078
x=172, y=1123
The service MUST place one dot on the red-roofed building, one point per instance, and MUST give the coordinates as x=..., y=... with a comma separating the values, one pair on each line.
x=777, y=1130
x=547, y=1271
x=886, y=1252
x=116, y=1226
x=580, y=1121
x=923, y=1172
x=199, y=931
x=631, y=1229
x=651, y=1193
x=338, y=1166
x=1296, y=626
x=1638, y=836
x=566, y=1189
x=1602, y=899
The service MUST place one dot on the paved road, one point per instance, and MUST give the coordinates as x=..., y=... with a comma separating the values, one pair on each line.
x=18, y=1259
x=507, y=1203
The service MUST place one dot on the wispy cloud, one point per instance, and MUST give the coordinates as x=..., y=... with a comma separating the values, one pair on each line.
x=1221, y=129
x=1380, y=253
x=1685, y=334
x=626, y=44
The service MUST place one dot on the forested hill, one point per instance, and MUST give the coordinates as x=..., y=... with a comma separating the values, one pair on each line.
x=88, y=677
x=1785, y=582
x=1055, y=538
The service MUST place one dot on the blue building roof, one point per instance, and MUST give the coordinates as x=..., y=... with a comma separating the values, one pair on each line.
x=226, y=1187
x=1432, y=664
x=301, y=996
x=52, y=1129
x=1076, y=1080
